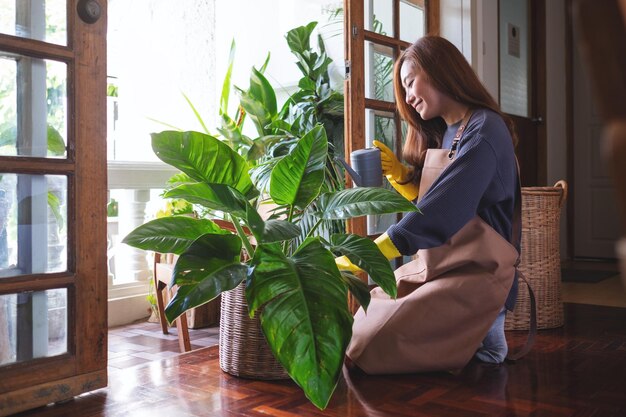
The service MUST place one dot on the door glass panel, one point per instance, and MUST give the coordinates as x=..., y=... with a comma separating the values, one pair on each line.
x=43, y=20
x=378, y=72
x=382, y=127
x=33, y=105
x=412, y=20
x=33, y=325
x=379, y=16
x=514, y=57
x=33, y=224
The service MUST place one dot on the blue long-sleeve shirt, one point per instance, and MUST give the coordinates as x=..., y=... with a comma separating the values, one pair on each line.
x=482, y=180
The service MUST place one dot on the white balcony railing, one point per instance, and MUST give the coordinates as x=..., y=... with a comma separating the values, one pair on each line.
x=135, y=186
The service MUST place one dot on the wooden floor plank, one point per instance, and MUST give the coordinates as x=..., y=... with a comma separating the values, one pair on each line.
x=574, y=371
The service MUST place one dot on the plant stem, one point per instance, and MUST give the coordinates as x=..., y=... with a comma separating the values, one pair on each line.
x=242, y=236
x=308, y=235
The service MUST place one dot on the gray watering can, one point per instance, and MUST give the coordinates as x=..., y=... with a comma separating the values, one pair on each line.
x=366, y=170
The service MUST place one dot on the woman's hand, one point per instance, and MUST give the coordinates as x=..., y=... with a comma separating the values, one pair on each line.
x=396, y=173
x=392, y=167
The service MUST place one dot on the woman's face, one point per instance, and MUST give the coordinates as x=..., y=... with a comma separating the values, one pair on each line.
x=420, y=93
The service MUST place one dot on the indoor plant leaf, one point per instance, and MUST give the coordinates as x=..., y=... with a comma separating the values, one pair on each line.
x=357, y=288
x=213, y=196
x=361, y=201
x=215, y=282
x=203, y=157
x=197, y=114
x=298, y=38
x=170, y=234
x=263, y=91
x=297, y=178
x=223, y=198
x=207, y=253
x=226, y=84
x=364, y=253
x=56, y=144
x=259, y=101
x=305, y=314
x=279, y=230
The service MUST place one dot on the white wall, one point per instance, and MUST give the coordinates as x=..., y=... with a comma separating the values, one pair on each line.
x=158, y=50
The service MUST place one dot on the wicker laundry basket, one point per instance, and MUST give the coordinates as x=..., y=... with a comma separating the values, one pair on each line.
x=540, y=260
x=244, y=352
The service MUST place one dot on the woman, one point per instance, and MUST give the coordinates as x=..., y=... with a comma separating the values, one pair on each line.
x=452, y=299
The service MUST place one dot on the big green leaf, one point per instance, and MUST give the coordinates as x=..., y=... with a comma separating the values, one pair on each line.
x=297, y=178
x=205, y=255
x=213, y=284
x=361, y=201
x=279, y=230
x=223, y=198
x=305, y=315
x=170, y=234
x=202, y=157
x=213, y=196
x=207, y=268
x=191, y=296
x=364, y=253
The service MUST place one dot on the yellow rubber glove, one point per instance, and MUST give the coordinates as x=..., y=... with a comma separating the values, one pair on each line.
x=396, y=172
x=344, y=264
x=385, y=245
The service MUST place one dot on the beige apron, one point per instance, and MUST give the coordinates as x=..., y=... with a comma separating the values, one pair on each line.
x=448, y=298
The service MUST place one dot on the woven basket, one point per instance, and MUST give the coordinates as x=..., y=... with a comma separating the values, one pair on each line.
x=244, y=352
x=541, y=259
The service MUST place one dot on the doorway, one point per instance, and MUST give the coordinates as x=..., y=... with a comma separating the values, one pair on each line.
x=595, y=219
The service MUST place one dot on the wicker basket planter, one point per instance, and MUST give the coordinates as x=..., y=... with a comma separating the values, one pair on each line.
x=541, y=259
x=244, y=352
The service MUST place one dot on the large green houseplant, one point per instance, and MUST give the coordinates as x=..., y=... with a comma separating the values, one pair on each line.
x=299, y=293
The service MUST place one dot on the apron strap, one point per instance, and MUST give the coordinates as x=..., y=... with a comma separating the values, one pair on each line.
x=459, y=133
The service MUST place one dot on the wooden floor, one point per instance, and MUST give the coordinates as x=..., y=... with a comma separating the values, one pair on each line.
x=143, y=342
x=578, y=370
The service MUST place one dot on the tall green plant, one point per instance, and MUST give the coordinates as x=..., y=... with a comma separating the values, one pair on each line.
x=297, y=290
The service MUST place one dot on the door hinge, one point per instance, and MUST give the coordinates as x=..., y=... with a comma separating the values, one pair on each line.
x=355, y=31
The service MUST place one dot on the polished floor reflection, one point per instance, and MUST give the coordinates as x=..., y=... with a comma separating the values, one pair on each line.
x=577, y=370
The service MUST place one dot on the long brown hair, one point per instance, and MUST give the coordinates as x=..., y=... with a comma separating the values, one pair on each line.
x=449, y=72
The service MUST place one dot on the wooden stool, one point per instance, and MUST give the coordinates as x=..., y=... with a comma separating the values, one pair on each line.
x=163, y=272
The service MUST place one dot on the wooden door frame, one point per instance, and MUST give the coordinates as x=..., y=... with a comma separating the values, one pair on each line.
x=83, y=368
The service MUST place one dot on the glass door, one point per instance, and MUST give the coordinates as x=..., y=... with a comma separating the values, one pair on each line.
x=52, y=201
